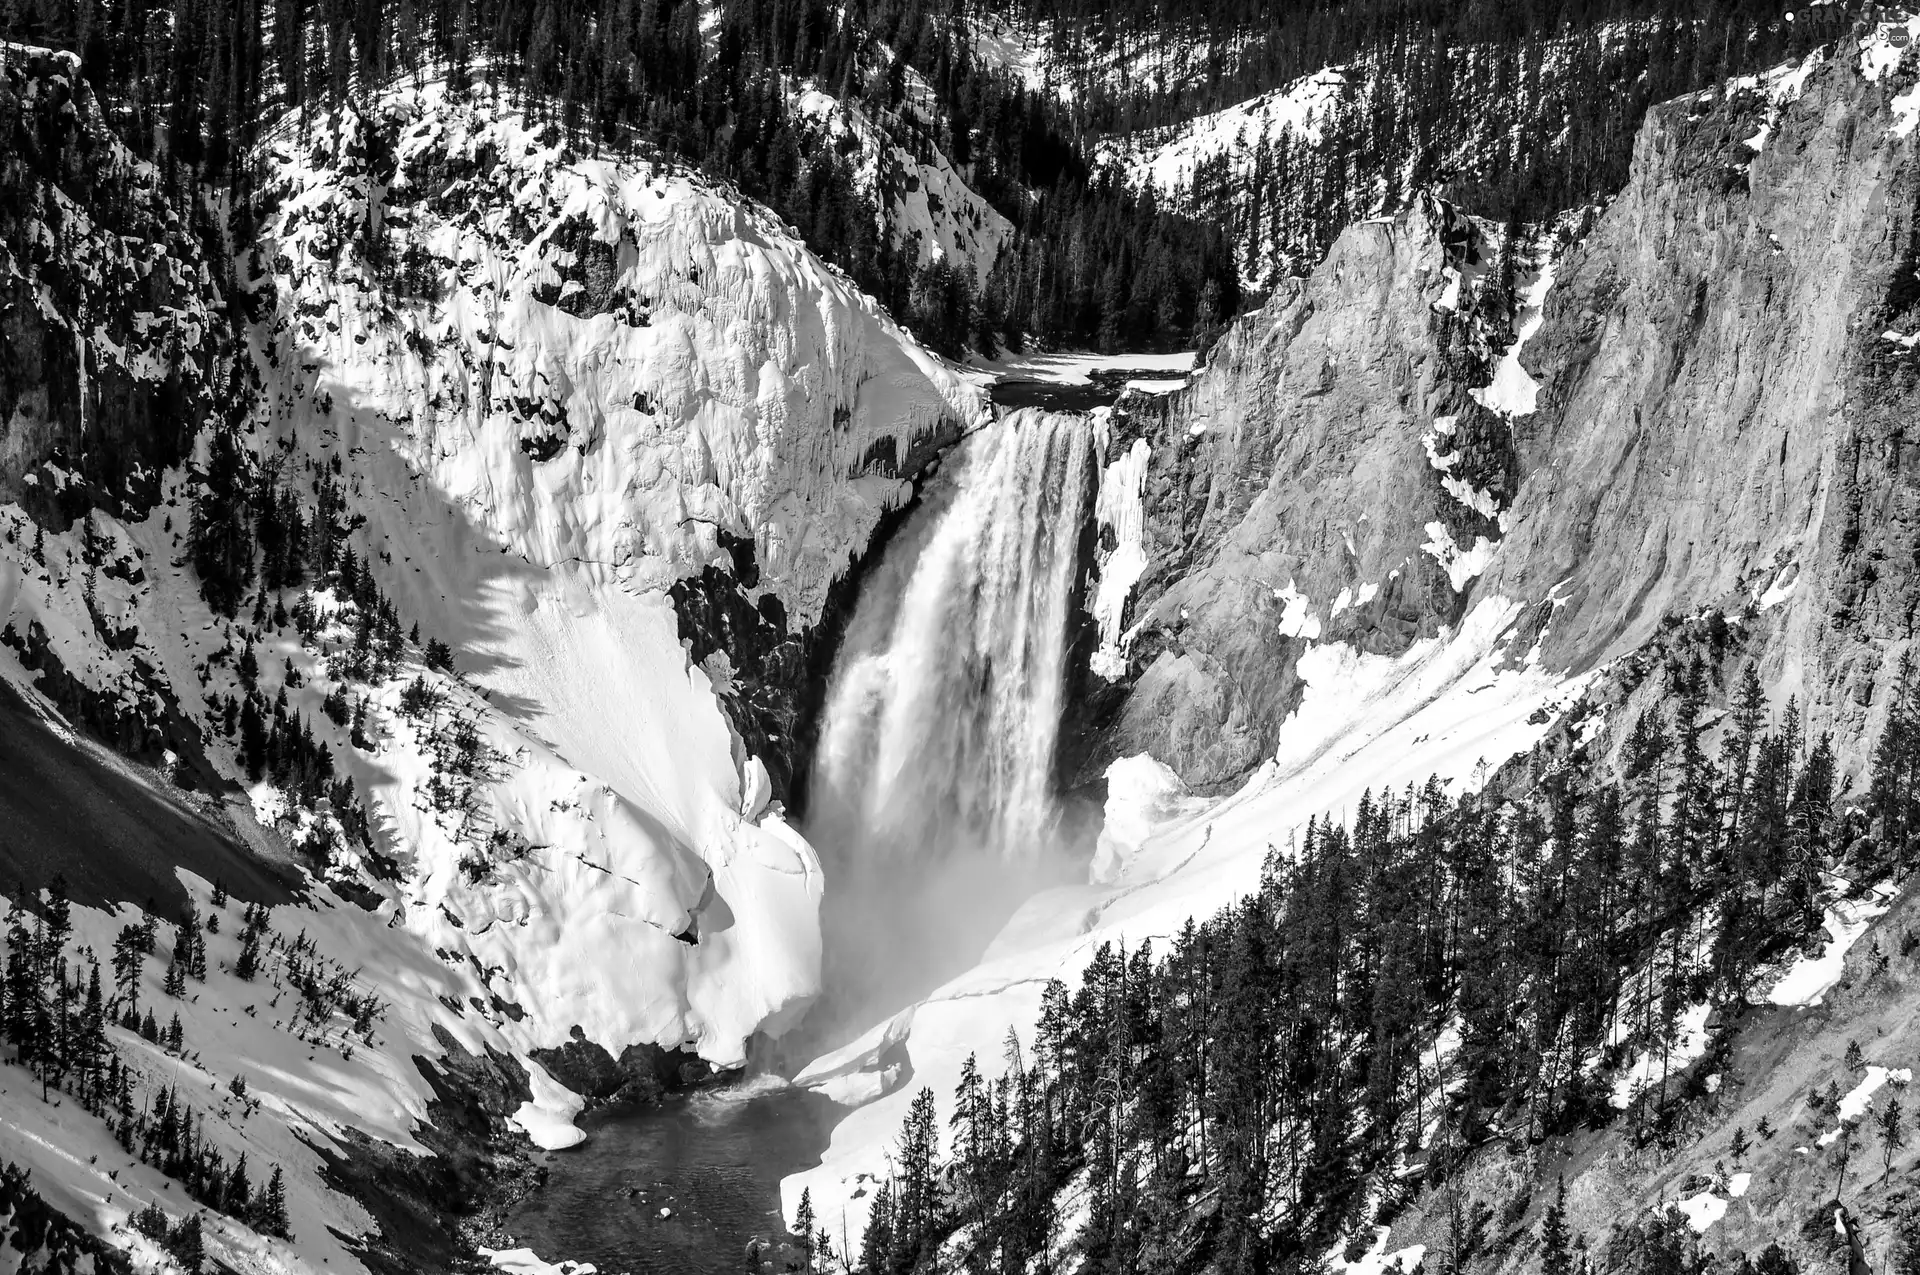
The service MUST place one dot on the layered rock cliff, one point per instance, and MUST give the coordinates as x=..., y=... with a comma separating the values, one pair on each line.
x=1727, y=386
x=1329, y=475
x=1700, y=402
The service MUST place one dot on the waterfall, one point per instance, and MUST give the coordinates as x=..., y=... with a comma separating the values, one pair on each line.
x=946, y=702
x=931, y=798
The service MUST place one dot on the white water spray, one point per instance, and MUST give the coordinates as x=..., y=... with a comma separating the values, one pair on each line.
x=944, y=713
x=932, y=794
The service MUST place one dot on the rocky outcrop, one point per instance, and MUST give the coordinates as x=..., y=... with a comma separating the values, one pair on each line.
x=1727, y=387
x=1725, y=368
x=1291, y=494
x=116, y=333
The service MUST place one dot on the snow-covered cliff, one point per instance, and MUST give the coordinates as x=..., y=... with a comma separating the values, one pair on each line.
x=515, y=391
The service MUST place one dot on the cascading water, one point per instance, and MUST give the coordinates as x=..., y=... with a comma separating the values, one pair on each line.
x=931, y=792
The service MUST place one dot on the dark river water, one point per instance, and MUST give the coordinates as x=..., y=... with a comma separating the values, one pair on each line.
x=714, y=1157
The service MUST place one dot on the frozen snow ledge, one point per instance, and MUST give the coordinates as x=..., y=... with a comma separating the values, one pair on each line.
x=1366, y=722
x=1120, y=509
x=547, y=1118
x=521, y=1261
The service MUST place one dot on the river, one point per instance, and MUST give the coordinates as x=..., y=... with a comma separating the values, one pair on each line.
x=712, y=1159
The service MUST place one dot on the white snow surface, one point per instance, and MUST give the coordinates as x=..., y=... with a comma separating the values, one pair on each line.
x=1654, y=1065
x=1855, y=1103
x=1702, y=1210
x=1076, y=367
x=1808, y=980
x=1443, y=708
x=1167, y=159
x=547, y=1117
x=522, y=1261
x=1142, y=795
x=1119, y=509
x=925, y=204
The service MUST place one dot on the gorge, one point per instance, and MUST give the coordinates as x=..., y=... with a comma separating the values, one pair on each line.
x=596, y=742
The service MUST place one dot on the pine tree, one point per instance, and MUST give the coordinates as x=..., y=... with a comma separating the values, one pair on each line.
x=271, y=1208
x=1555, y=1254
x=220, y=531
x=1889, y=1124
x=184, y=1242
x=237, y=1196
x=25, y=997
x=804, y=1225
x=58, y=914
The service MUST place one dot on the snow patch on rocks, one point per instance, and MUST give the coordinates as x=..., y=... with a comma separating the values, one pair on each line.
x=1655, y=1066
x=1808, y=980
x=1118, y=509
x=1514, y=392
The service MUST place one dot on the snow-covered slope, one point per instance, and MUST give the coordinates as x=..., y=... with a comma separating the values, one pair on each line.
x=609, y=363
x=526, y=391
x=924, y=203
x=1171, y=160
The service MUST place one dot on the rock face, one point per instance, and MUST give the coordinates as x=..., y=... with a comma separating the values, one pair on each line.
x=1728, y=387
x=1725, y=370
x=1290, y=495
x=116, y=337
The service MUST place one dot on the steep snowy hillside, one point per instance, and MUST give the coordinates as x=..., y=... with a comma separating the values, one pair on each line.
x=409, y=605
x=924, y=202
x=1178, y=162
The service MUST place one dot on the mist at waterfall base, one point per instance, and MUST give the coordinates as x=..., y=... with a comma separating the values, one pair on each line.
x=932, y=795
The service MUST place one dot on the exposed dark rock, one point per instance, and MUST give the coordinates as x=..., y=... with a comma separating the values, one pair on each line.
x=775, y=683
x=113, y=413
x=431, y=1211
x=641, y=1074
